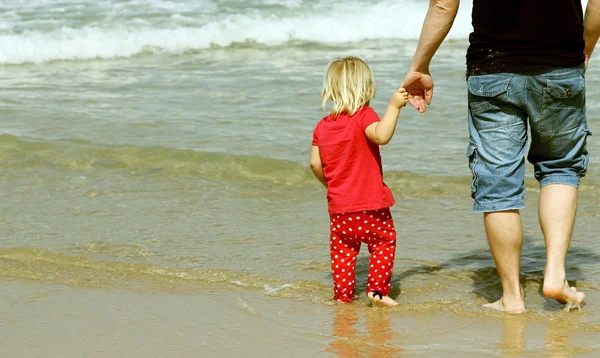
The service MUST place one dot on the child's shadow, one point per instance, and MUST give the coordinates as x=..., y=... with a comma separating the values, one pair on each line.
x=481, y=269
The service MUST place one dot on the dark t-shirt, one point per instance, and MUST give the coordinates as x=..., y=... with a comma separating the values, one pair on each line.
x=525, y=35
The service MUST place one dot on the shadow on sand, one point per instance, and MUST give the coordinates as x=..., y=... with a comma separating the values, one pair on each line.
x=481, y=268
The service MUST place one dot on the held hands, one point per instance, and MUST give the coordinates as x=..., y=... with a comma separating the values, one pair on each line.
x=420, y=89
x=399, y=98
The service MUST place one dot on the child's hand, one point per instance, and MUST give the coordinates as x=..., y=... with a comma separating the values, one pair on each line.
x=399, y=98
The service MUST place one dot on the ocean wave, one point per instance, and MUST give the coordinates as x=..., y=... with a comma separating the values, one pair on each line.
x=178, y=32
x=19, y=154
x=452, y=288
x=45, y=266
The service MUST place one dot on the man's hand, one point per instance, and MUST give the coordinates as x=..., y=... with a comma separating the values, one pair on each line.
x=419, y=86
x=438, y=21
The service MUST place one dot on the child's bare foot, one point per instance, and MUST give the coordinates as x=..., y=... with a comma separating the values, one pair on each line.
x=378, y=299
x=564, y=294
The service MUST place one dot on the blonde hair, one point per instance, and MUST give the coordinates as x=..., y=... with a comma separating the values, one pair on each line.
x=349, y=84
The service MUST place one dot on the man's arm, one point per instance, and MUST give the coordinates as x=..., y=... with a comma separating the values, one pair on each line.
x=316, y=166
x=437, y=24
x=591, y=28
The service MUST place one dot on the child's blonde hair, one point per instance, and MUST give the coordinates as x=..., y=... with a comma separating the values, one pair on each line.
x=349, y=84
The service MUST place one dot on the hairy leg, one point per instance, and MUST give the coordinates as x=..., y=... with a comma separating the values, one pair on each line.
x=557, y=209
x=505, y=236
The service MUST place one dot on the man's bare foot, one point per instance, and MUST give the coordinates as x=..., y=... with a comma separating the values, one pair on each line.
x=564, y=294
x=509, y=305
x=500, y=305
x=377, y=299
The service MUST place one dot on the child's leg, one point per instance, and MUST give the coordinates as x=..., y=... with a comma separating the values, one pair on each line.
x=382, y=247
x=344, y=252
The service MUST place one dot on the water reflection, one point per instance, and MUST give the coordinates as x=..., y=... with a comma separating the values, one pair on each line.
x=372, y=338
x=513, y=336
x=522, y=336
x=555, y=341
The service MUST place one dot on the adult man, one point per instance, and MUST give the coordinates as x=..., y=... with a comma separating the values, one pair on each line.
x=525, y=64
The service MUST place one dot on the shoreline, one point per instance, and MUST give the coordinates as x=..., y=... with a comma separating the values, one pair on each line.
x=41, y=319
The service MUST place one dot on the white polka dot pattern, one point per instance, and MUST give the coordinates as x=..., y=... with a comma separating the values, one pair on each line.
x=345, y=245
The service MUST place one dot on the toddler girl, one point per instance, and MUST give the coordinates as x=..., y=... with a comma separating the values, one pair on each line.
x=345, y=158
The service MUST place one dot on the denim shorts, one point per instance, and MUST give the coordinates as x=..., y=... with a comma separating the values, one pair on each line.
x=500, y=108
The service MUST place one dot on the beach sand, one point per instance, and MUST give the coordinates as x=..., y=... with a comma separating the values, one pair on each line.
x=46, y=320
x=156, y=199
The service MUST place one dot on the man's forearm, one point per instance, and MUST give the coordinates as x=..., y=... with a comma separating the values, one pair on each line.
x=436, y=26
x=591, y=26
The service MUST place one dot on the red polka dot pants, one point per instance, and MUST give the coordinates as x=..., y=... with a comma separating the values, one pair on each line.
x=348, y=231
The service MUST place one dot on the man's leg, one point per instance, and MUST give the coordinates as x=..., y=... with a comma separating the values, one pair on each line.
x=497, y=143
x=557, y=208
x=505, y=236
x=559, y=155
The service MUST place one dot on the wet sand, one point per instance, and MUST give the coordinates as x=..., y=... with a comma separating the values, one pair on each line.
x=46, y=320
x=161, y=205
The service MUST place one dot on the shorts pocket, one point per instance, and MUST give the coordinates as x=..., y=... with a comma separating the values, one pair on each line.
x=563, y=104
x=564, y=92
x=585, y=157
x=486, y=90
x=472, y=155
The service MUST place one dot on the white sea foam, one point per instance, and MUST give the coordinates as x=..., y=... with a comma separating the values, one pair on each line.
x=270, y=290
x=174, y=28
x=35, y=32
